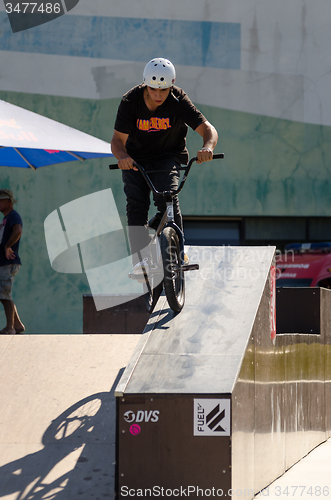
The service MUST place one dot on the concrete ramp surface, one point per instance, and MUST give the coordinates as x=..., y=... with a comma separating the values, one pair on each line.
x=212, y=331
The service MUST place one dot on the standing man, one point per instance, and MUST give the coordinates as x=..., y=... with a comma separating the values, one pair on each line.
x=10, y=234
x=151, y=127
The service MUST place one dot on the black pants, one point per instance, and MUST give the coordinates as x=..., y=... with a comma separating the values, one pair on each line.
x=138, y=198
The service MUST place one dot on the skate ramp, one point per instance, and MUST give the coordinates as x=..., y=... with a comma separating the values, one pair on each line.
x=212, y=331
x=212, y=397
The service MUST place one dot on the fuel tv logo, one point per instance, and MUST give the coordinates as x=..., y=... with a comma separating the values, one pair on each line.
x=212, y=417
x=24, y=15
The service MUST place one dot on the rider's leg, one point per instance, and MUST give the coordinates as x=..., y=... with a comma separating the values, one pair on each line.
x=138, y=201
x=155, y=220
x=167, y=181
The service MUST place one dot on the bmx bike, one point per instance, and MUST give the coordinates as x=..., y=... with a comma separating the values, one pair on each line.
x=167, y=257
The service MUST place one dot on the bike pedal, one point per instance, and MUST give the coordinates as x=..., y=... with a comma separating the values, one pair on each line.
x=190, y=267
x=137, y=276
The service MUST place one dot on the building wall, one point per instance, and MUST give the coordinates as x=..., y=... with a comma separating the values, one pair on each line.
x=260, y=72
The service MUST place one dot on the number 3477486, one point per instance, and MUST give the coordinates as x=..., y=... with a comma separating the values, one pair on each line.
x=33, y=8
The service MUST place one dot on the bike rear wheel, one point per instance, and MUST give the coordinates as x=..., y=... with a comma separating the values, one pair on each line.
x=174, y=284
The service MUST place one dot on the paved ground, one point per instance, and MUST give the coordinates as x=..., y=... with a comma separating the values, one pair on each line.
x=57, y=415
x=308, y=479
x=57, y=421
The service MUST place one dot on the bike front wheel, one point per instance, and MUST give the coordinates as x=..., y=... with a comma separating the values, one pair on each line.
x=174, y=284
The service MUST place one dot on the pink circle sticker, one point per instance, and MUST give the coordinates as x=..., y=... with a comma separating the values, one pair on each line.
x=135, y=429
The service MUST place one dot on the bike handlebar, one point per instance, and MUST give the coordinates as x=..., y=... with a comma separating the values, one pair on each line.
x=217, y=156
x=143, y=172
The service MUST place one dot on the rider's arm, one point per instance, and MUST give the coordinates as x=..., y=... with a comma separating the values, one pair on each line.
x=118, y=142
x=209, y=135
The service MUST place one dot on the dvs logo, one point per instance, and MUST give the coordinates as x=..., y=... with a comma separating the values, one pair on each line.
x=24, y=14
x=86, y=235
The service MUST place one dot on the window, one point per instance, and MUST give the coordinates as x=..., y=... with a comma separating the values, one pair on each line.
x=211, y=232
x=292, y=283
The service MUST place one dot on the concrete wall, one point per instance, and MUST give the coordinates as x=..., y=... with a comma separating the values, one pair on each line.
x=259, y=72
x=281, y=401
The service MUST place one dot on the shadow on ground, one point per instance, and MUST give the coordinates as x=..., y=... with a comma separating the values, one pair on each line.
x=77, y=460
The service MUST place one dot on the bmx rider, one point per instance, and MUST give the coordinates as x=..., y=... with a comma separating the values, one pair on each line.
x=150, y=129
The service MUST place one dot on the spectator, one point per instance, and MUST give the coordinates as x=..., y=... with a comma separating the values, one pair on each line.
x=10, y=262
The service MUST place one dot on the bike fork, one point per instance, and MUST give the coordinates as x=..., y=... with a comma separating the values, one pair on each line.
x=171, y=222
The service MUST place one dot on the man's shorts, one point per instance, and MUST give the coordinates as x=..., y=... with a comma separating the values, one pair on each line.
x=7, y=275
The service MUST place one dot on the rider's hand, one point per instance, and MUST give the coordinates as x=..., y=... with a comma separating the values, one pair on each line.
x=205, y=154
x=126, y=163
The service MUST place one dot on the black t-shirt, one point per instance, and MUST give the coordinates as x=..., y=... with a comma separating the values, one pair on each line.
x=160, y=133
x=5, y=232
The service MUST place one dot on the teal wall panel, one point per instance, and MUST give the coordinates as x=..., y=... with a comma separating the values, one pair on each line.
x=48, y=301
x=271, y=167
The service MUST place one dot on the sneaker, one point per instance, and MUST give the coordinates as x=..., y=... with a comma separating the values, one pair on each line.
x=141, y=267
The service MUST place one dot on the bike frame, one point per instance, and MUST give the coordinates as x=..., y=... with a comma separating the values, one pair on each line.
x=168, y=216
x=174, y=285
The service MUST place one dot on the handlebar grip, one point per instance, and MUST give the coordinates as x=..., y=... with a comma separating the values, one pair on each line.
x=218, y=156
x=115, y=166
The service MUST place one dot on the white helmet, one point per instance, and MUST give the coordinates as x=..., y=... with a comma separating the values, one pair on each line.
x=159, y=73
